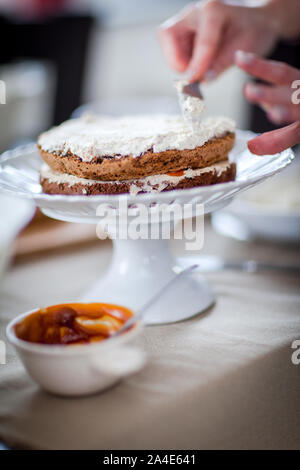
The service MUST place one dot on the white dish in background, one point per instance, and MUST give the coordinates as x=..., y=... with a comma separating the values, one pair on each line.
x=77, y=370
x=270, y=211
x=15, y=213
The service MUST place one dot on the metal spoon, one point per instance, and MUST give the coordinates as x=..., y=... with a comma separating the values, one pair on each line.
x=154, y=299
x=185, y=89
x=193, y=89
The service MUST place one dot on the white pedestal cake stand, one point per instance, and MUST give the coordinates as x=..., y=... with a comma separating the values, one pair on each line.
x=141, y=267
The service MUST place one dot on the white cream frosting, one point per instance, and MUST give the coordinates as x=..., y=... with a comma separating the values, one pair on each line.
x=148, y=184
x=92, y=136
x=192, y=108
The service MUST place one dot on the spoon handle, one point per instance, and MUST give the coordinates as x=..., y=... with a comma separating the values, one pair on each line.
x=154, y=299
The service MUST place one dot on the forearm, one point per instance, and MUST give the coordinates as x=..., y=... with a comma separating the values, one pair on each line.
x=283, y=16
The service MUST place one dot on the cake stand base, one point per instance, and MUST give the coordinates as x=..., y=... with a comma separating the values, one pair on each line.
x=139, y=269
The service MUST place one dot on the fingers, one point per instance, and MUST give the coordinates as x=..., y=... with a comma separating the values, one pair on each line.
x=177, y=46
x=283, y=114
x=212, y=20
x=223, y=60
x=275, y=100
x=271, y=71
x=257, y=93
x=176, y=37
x=276, y=141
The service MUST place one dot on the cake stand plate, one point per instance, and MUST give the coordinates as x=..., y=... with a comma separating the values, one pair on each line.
x=140, y=267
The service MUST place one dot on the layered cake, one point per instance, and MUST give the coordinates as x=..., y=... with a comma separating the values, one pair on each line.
x=135, y=154
x=54, y=182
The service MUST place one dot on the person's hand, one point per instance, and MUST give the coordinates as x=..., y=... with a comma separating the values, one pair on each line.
x=202, y=39
x=280, y=99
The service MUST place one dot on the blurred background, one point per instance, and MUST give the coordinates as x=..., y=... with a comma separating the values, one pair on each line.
x=58, y=54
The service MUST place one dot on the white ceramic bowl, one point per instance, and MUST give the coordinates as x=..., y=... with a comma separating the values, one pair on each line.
x=77, y=370
x=15, y=213
x=270, y=210
x=262, y=222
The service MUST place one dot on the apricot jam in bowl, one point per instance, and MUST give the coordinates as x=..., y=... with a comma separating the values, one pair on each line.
x=70, y=349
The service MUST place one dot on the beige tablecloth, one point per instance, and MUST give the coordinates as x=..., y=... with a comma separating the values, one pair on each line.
x=220, y=380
